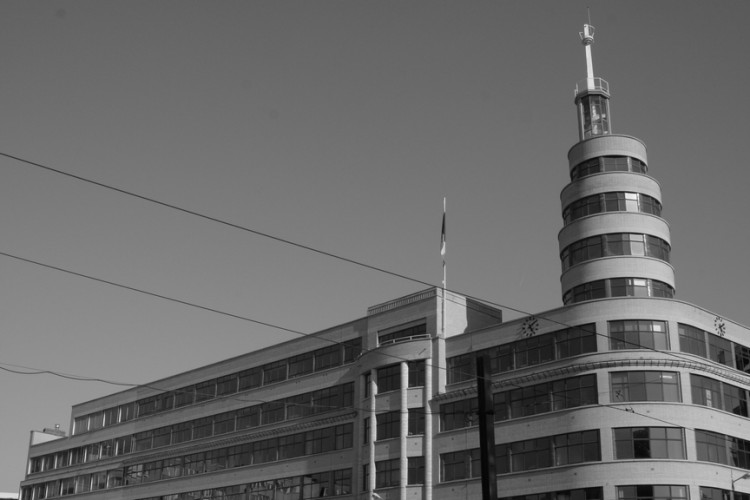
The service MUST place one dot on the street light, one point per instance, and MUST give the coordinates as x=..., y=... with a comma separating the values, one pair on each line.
x=746, y=475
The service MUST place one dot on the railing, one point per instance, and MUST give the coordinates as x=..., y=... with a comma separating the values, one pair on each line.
x=404, y=339
x=596, y=83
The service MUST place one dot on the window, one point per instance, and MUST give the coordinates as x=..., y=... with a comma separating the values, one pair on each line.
x=416, y=421
x=389, y=378
x=274, y=372
x=653, y=492
x=162, y=436
x=692, y=340
x=291, y=446
x=184, y=397
x=586, y=291
x=417, y=331
x=182, y=432
x=715, y=394
x=459, y=414
x=415, y=474
x=205, y=391
x=226, y=385
x=706, y=391
x=327, y=357
x=224, y=423
x=462, y=464
x=534, y=350
x=645, y=386
x=388, y=425
x=416, y=373
x=711, y=447
x=577, y=340
x=719, y=349
x=342, y=482
x=272, y=412
x=265, y=451
x=203, y=427
x=717, y=494
x=250, y=379
x=248, y=417
x=387, y=473
x=742, y=358
x=577, y=494
x=638, y=334
x=611, y=202
x=649, y=442
x=576, y=447
x=301, y=365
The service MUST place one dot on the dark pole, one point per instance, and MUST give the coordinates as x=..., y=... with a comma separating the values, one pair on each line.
x=486, y=428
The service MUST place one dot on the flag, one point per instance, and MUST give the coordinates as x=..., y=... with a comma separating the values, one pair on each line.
x=442, y=233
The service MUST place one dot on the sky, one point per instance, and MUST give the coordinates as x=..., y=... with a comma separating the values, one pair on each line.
x=339, y=125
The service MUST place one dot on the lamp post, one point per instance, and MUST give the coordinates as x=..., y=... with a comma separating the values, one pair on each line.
x=746, y=475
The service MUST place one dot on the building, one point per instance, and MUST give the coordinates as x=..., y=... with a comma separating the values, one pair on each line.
x=622, y=393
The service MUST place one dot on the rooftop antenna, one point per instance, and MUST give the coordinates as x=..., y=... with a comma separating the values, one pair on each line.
x=587, y=38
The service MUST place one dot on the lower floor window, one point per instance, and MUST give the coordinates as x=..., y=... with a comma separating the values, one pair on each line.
x=653, y=492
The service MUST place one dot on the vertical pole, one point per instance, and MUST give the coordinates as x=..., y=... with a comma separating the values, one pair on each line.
x=486, y=428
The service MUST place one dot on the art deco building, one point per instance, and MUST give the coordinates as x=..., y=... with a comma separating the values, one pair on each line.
x=622, y=393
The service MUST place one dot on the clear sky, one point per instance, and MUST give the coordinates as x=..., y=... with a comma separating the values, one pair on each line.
x=339, y=125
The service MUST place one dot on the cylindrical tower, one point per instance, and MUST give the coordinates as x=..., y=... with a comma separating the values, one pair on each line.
x=614, y=242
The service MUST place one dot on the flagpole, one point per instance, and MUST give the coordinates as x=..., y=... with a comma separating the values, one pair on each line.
x=445, y=279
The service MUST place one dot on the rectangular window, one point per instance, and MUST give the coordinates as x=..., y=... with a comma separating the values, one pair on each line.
x=301, y=364
x=388, y=425
x=272, y=412
x=417, y=331
x=227, y=385
x=389, y=378
x=182, y=432
x=342, y=482
x=162, y=436
x=692, y=340
x=742, y=358
x=184, y=397
x=205, y=391
x=575, y=341
x=645, y=386
x=534, y=350
x=224, y=423
x=415, y=473
x=248, y=418
x=250, y=379
x=461, y=368
x=416, y=373
x=459, y=414
x=327, y=357
x=352, y=350
x=299, y=406
x=265, y=451
x=576, y=447
x=203, y=427
x=274, y=372
x=649, y=442
x=719, y=350
x=462, y=464
x=712, y=447
x=706, y=391
x=387, y=473
x=315, y=485
x=416, y=421
x=718, y=494
x=653, y=492
x=638, y=334
x=291, y=446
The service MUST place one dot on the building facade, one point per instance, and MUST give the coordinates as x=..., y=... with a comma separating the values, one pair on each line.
x=622, y=393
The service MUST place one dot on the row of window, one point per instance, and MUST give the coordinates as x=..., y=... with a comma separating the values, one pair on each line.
x=530, y=400
x=412, y=332
x=629, y=443
x=614, y=244
x=301, y=405
x=388, y=378
x=607, y=164
x=268, y=450
x=388, y=424
x=324, y=484
x=270, y=373
x=550, y=451
x=637, y=492
x=618, y=287
x=611, y=202
x=527, y=352
x=388, y=473
x=630, y=386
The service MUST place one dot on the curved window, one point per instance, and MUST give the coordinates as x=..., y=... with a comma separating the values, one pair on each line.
x=607, y=164
x=611, y=202
x=618, y=287
x=614, y=244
